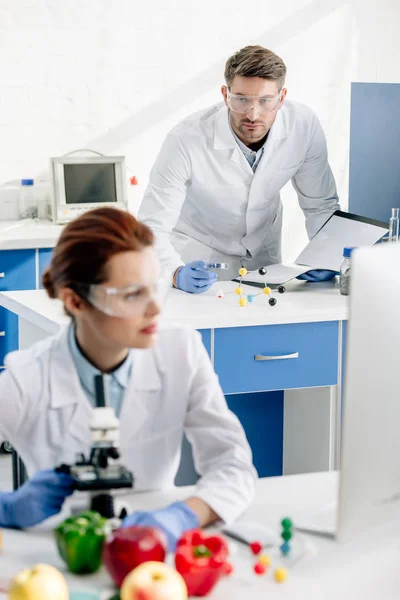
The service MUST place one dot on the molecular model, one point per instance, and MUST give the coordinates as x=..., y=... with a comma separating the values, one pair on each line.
x=286, y=535
x=245, y=298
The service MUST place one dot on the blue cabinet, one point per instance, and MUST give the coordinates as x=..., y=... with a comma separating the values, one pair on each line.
x=261, y=415
x=45, y=255
x=17, y=272
x=290, y=356
x=206, y=337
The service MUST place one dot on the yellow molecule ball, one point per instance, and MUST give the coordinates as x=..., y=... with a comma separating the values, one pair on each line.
x=264, y=559
x=267, y=290
x=280, y=575
x=239, y=291
x=242, y=302
x=242, y=272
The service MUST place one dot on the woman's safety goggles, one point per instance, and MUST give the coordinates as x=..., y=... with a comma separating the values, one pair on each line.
x=243, y=104
x=126, y=302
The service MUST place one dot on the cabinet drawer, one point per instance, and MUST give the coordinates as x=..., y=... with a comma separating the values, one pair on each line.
x=276, y=357
x=17, y=270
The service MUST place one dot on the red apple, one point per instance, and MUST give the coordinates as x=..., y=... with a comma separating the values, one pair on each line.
x=154, y=581
x=128, y=547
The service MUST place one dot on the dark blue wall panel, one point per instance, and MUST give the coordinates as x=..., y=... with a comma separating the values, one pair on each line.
x=374, y=183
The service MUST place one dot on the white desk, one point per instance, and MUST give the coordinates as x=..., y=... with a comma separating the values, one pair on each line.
x=367, y=568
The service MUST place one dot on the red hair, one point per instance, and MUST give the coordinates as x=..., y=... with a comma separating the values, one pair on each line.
x=88, y=243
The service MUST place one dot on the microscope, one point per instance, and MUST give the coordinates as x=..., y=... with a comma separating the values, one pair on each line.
x=101, y=472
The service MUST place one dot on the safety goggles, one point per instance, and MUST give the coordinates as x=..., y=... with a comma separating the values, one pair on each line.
x=243, y=104
x=125, y=302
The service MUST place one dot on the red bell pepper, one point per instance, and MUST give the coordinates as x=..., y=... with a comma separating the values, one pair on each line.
x=201, y=560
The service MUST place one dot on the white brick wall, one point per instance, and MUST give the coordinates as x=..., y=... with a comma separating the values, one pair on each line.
x=115, y=75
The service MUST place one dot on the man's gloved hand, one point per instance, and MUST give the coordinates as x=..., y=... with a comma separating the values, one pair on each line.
x=317, y=275
x=38, y=499
x=194, y=278
x=174, y=520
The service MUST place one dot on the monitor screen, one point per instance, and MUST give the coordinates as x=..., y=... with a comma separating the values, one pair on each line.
x=90, y=183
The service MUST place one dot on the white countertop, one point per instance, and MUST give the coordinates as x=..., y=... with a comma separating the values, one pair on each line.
x=302, y=303
x=366, y=568
x=17, y=235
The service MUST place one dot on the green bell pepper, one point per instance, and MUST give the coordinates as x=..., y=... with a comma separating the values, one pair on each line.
x=80, y=541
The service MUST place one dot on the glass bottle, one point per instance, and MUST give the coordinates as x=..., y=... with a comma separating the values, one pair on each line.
x=345, y=268
x=394, y=225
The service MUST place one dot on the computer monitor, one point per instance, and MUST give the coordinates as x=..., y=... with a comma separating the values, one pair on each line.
x=369, y=492
x=82, y=183
x=369, y=481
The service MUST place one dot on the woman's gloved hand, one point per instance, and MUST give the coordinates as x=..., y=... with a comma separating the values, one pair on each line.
x=174, y=520
x=317, y=275
x=38, y=499
x=194, y=278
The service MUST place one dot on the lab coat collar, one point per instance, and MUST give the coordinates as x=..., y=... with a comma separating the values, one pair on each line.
x=148, y=367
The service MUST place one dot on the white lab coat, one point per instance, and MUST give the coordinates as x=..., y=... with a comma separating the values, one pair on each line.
x=46, y=415
x=204, y=202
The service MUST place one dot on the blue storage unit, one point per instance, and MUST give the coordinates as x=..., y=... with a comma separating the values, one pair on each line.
x=45, y=255
x=17, y=272
x=261, y=415
x=374, y=179
x=206, y=337
x=316, y=363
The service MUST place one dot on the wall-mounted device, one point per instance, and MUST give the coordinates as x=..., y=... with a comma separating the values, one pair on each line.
x=83, y=183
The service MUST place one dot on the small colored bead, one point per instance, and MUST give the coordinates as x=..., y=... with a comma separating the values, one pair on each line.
x=239, y=291
x=259, y=569
x=287, y=523
x=228, y=568
x=262, y=271
x=250, y=297
x=272, y=301
x=242, y=272
x=220, y=294
x=255, y=547
x=267, y=290
x=285, y=548
x=280, y=575
x=287, y=535
x=281, y=289
x=265, y=560
x=242, y=302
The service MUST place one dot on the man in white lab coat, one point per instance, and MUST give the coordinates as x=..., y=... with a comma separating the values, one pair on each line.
x=214, y=190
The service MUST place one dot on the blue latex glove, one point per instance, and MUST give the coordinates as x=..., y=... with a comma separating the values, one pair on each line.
x=38, y=499
x=194, y=278
x=317, y=275
x=174, y=520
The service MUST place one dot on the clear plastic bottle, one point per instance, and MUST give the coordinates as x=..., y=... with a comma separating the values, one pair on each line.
x=345, y=268
x=394, y=225
x=27, y=201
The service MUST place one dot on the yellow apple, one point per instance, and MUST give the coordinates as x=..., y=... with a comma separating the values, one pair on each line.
x=41, y=582
x=154, y=581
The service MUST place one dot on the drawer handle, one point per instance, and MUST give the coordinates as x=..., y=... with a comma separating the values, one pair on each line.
x=2, y=333
x=2, y=274
x=279, y=357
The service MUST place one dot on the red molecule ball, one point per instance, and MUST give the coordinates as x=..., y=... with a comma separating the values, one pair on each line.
x=255, y=547
x=259, y=569
x=228, y=568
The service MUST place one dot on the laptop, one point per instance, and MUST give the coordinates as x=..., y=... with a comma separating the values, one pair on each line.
x=369, y=480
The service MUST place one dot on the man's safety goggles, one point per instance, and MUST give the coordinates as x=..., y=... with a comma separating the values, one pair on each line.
x=243, y=104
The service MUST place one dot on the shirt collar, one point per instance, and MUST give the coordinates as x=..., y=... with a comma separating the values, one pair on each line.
x=87, y=371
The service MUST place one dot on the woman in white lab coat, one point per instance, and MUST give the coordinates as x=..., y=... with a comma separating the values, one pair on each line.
x=161, y=382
